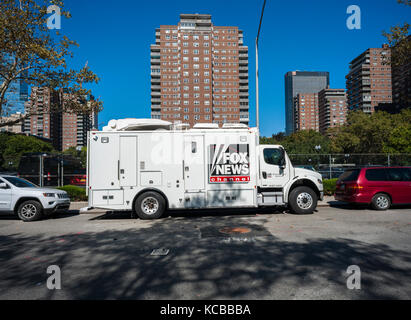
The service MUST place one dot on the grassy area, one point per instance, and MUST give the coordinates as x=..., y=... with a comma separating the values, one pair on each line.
x=75, y=193
x=329, y=186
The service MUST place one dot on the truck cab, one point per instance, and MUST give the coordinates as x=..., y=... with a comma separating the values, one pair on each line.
x=281, y=183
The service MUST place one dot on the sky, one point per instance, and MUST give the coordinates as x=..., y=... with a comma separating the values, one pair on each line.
x=306, y=35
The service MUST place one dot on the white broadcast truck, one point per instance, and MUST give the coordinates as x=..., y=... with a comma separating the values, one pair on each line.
x=151, y=165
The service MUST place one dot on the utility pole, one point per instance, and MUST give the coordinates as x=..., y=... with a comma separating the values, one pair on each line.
x=256, y=71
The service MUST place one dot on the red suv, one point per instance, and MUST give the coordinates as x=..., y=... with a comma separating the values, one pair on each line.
x=378, y=186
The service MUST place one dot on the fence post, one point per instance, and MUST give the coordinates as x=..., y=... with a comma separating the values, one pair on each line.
x=330, y=167
x=388, y=160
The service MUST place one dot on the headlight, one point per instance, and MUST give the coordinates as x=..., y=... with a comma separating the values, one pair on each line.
x=320, y=181
x=49, y=195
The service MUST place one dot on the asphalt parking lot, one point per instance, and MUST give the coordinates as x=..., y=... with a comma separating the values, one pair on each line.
x=236, y=254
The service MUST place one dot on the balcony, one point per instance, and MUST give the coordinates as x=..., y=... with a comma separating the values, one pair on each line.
x=155, y=100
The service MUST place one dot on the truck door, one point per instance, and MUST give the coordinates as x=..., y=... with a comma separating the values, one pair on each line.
x=193, y=163
x=274, y=172
x=128, y=161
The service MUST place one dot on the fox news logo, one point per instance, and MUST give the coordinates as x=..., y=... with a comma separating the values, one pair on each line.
x=229, y=163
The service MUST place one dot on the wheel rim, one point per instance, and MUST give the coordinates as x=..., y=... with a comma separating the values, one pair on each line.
x=28, y=211
x=382, y=202
x=149, y=205
x=304, y=200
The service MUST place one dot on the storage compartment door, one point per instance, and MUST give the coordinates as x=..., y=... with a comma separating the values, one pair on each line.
x=194, y=165
x=128, y=161
x=103, y=162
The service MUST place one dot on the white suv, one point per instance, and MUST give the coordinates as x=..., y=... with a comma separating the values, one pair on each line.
x=29, y=201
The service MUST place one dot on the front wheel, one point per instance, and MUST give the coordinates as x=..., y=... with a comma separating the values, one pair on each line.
x=150, y=205
x=302, y=200
x=30, y=210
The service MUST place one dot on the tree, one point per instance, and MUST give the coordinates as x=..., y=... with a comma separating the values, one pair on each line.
x=80, y=154
x=362, y=133
x=398, y=38
x=12, y=146
x=31, y=52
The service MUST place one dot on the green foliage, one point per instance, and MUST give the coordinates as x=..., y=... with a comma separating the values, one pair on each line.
x=379, y=132
x=82, y=154
x=12, y=146
x=301, y=142
x=329, y=186
x=75, y=193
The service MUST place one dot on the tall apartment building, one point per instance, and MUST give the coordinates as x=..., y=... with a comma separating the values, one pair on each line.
x=64, y=129
x=332, y=106
x=74, y=127
x=301, y=82
x=45, y=121
x=369, y=80
x=401, y=81
x=306, y=112
x=199, y=72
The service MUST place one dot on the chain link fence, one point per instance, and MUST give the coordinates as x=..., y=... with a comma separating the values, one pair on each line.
x=52, y=170
x=333, y=165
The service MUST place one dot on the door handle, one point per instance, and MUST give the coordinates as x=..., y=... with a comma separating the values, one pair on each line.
x=264, y=175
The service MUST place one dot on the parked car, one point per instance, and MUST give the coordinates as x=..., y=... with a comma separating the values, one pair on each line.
x=379, y=187
x=79, y=180
x=28, y=201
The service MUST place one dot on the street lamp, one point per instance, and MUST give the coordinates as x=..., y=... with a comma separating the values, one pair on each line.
x=256, y=70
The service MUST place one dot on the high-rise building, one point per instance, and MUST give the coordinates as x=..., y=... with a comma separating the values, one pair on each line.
x=199, y=72
x=64, y=129
x=301, y=82
x=332, y=108
x=401, y=80
x=306, y=112
x=369, y=80
x=17, y=92
x=45, y=121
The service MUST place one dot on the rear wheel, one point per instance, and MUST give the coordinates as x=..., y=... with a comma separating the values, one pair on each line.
x=30, y=210
x=150, y=205
x=381, y=201
x=302, y=200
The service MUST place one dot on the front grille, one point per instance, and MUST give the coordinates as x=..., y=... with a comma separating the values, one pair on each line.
x=62, y=195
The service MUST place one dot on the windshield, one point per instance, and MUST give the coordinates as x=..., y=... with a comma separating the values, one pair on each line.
x=20, y=183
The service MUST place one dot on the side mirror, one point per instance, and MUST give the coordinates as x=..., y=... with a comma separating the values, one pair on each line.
x=3, y=185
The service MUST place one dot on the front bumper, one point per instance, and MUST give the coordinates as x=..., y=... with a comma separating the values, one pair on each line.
x=56, y=205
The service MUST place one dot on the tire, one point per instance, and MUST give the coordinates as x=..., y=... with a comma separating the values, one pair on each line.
x=302, y=200
x=30, y=210
x=150, y=205
x=381, y=201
